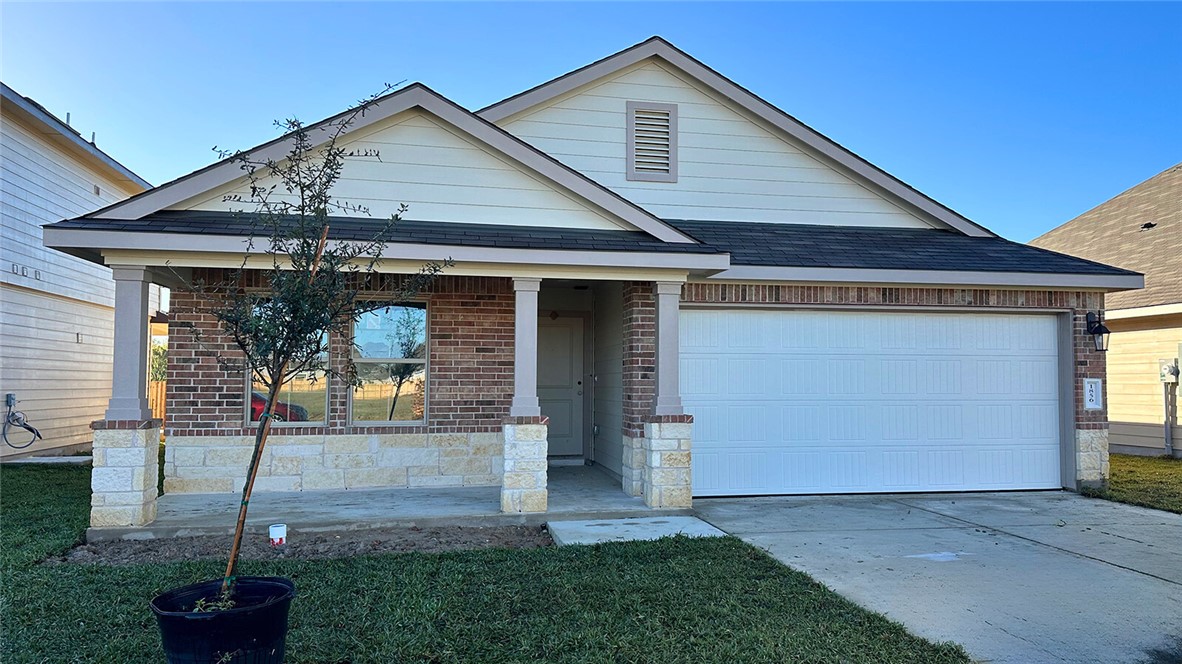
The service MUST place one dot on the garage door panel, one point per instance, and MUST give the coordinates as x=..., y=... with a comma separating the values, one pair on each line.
x=902, y=412
x=701, y=377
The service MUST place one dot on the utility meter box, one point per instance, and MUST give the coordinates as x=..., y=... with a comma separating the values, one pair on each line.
x=1168, y=370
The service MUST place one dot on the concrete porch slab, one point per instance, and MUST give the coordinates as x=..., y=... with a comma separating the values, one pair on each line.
x=575, y=493
x=598, y=531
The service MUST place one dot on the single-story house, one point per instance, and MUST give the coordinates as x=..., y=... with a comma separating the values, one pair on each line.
x=656, y=273
x=1140, y=229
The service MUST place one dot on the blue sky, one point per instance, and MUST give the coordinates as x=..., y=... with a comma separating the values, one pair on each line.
x=1019, y=116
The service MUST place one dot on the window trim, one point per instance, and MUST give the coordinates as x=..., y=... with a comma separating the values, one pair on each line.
x=425, y=361
x=645, y=176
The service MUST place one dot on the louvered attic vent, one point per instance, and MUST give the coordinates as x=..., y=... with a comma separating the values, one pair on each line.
x=652, y=142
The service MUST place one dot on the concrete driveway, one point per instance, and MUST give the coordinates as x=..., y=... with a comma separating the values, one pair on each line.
x=1013, y=577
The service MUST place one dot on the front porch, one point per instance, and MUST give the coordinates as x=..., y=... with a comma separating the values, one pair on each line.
x=535, y=397
x=575, y=492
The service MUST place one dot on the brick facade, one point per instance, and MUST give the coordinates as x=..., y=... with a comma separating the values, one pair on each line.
x=470, y=385
x=639, y=355
x=470, y=381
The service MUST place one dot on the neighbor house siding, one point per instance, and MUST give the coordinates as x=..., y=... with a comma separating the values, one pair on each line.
x=42, y=183
x=56, y=316
x=728, y=167
x=438, y=174
x=56, y=355
x=1135, y=402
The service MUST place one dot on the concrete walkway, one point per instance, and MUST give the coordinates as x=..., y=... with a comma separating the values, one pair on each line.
x=1014, y=577
x=600, y=531
x=575, y=493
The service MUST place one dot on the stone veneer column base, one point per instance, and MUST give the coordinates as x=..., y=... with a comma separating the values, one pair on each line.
x=1091, y=457
x=123, y=479
x=523, y=486
x=666, y=475
x=632, y=466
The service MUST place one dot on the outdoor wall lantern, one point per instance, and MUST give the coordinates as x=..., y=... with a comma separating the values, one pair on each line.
x=1098, y=331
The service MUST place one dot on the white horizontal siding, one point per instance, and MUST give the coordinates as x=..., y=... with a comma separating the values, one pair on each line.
x=441, y=176
x=63, y=384
x=41, y=183
x=729, y=167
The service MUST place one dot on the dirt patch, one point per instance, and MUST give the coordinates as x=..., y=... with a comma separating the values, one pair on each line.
x=308, y=546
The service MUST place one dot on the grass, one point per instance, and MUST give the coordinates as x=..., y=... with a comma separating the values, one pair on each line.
x=674, y=600
x=1146, y=481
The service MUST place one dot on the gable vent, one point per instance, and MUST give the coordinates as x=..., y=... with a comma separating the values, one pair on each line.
x=652, y=142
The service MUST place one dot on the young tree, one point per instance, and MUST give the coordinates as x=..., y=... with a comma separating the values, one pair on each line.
x=281, y=311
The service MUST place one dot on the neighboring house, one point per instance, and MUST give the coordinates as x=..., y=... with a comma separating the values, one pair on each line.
x=1140, y=230
x=56, y=311
x=656, y=272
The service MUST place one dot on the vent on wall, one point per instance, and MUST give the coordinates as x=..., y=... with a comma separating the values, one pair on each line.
x=652, y=142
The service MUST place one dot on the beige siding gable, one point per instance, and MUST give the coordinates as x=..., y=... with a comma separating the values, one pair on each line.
x=441, y=176
x=730, y=167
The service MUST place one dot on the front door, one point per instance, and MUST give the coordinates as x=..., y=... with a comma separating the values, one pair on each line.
x=560, y=382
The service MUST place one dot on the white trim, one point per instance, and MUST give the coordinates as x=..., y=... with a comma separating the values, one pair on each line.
x=1106, y=282
x=823, y=146
x=525, y=348
x=1144, y=312
x=414, y=96
x=667, y=381
x=634, y=174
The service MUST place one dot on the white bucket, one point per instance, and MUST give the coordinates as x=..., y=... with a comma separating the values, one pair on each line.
x=278, y=534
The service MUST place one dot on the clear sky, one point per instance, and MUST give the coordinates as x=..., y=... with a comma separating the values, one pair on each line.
x=1019, y=116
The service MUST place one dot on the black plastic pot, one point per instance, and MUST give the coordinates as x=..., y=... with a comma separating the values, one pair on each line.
x=251, y=633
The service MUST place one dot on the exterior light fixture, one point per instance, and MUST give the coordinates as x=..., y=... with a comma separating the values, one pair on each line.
x=1098, y=331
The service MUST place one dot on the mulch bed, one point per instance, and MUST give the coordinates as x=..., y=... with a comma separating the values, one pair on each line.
x=308, y=546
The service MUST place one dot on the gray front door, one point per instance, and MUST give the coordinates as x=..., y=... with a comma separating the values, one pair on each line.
x=560, y=382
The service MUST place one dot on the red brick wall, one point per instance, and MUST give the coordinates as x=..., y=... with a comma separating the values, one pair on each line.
x=1088, y=362
x=470, y=380
x=640, y=355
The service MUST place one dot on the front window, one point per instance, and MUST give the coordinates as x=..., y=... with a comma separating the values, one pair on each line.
x=303, y=400
x=390, y=353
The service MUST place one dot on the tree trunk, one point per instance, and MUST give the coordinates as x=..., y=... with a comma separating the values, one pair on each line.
x=397, y=392
x=260, y=441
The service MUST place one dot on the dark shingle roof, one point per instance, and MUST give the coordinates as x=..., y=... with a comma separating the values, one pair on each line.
x=1115, y=232
x=404, y=231
x=799, y=245
x=760, y=244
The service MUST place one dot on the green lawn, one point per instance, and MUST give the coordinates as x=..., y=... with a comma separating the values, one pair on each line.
x=675, y=600
x=1146, y=481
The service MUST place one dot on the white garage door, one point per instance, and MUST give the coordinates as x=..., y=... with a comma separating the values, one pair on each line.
x=852, y=402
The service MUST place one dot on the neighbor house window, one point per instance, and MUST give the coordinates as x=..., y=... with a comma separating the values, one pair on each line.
x=390, y=353
x=303, y=400
x=652, y=142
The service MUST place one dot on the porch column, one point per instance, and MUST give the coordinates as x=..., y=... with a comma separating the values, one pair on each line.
x=668, y=389
x=523, y=484
x=525, y=349
x=127, y=443
x=129, y=374
x=668, y=432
